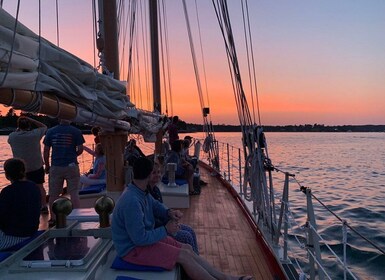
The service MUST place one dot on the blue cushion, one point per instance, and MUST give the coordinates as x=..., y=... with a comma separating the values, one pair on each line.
x=93, y=189
x=126, y=278
x=4, y=255
x=123, y=265
x=25, y=242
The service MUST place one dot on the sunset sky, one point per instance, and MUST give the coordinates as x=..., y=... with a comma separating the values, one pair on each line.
x=316, y=61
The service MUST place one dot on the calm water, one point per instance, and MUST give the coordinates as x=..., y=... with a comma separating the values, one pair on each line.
x=346, y=171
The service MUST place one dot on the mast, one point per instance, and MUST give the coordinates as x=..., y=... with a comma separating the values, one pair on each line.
x=110, y=35
x=153, y=6
x=113, y=142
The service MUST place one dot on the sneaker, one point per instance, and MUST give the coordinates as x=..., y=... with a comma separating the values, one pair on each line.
x=202, y=183
x=44, y=210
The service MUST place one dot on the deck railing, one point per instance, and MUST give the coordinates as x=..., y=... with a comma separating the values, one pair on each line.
x=300, y=245
x=297, y=236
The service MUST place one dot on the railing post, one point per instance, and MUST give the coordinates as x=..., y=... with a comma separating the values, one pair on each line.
x=216, y=155
x=273, y=216
x=344, y=241
x=240, y=171
x=313, y=240
x=228, y=162
x=284, y=215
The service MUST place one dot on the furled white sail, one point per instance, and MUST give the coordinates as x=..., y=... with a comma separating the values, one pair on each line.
x=28, y=62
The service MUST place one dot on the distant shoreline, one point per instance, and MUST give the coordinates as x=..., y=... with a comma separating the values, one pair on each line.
x=193, y=128
x=292, y=128
x=9, y=123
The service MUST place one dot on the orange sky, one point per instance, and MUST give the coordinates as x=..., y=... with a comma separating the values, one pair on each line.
x=315, y=62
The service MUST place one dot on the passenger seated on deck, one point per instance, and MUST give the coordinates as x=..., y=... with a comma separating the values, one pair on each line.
x=98, y=175
x=20, y=205
x=132, y=152
x=185, y=152
x=184, y=170
x=186, y=234
x=136, y=239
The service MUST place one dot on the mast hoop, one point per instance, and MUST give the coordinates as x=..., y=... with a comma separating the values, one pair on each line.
x=58, y=106
x=13, y=98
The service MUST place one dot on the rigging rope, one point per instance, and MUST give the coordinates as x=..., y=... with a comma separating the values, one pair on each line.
x=122, y=17
x=196, y=71
x=162, y=52
x=247, y=127
x=94, y=31
x=137, y=19
x=139, y=81
x=253, y=63
x=134, y=61
x=167, y=61
x=221, y=11
x=210, y=141
x=57, y=24
x=202, y=54
x=132, y=11
x=247, y=43
x=254, y=153
x=39, y=49
x=145, y=48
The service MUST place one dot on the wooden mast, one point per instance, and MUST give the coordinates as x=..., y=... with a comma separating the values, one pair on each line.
x=113, y=142
x=110, y=36
x=153, y=6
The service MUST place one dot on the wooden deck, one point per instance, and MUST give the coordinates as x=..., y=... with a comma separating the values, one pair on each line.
x=225, y=238
x=224, y=235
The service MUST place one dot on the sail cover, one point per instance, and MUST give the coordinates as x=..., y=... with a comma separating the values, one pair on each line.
x=28, y=62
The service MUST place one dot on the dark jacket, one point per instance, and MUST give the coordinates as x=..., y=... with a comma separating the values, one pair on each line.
x=20, y=205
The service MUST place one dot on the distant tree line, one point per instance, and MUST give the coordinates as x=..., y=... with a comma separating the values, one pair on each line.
x=9, y=122
x=293, y=128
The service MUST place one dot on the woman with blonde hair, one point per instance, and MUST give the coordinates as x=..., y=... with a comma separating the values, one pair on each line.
x=98, y=174
x=185, y=234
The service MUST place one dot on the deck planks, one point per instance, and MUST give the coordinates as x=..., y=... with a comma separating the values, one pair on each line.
x=225, y=238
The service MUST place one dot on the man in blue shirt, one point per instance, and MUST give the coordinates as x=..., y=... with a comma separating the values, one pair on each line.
x=136, y=239
x=66, y=142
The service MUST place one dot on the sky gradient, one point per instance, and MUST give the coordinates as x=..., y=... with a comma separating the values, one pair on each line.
x=316, y=61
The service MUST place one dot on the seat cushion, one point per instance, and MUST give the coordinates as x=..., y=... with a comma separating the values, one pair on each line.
x=126, y=278
x=120, y=264
x=25, y=242
x=93, y=189
x=4, y=255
